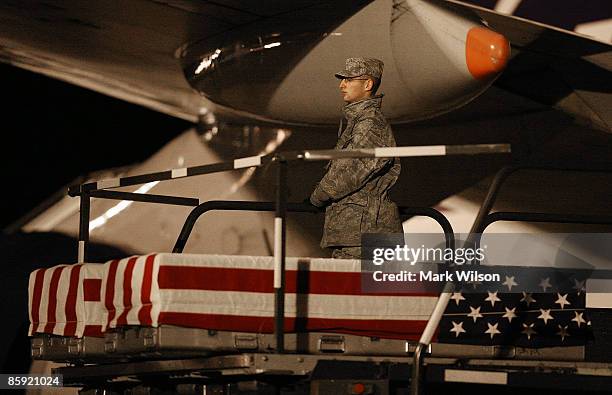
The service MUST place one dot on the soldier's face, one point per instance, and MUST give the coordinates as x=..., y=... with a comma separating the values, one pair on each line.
x=355, y=89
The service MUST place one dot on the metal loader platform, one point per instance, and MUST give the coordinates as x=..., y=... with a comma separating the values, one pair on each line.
x=290, y=372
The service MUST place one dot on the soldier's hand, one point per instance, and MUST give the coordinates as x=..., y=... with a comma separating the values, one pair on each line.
x=309, y=203
x=319, y=198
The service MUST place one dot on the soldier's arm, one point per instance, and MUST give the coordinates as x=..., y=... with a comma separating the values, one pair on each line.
x=346, y=176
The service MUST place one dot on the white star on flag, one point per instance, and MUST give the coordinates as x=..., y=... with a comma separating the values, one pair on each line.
x=545, y=284
x=457, y=297
x=545, y=316
x=457, y=328
x=510, y=314
x=510, y=283
x=563, y=332
x=475, y=313
x=578, y=319
x=492, y=298
x=527, y=298
x=492, y=330
x=494, y=314
x=562, y=301
x=528, y=330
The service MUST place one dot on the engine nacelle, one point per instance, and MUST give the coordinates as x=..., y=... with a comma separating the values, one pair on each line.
x=437, y=58
x=444, y=58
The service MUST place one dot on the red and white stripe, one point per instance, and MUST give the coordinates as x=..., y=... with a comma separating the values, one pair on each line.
x=65, y=300
x=236, y=293
x=91, y=296
x=127, y=291
x=217, y=292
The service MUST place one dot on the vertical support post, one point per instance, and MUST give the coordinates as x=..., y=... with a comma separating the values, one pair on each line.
x=279, y=253
x=83, y=226
x=427, y=335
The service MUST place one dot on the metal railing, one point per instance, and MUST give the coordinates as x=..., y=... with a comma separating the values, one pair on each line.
x=241, y=205
x=99, y=189
x=483, y=219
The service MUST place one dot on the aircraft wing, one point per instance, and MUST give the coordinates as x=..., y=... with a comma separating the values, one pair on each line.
x=569, y=71
x=129, y=50
x=125, y=49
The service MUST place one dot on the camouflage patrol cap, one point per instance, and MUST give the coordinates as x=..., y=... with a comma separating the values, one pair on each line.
x=356, y=67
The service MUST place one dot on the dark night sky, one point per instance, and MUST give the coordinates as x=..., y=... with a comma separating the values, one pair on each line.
x=54, y=132
x=565, y=14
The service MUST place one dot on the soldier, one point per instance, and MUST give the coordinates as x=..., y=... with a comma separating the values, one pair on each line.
x=355, y=191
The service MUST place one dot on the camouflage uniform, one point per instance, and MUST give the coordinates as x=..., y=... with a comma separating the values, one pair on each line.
x=357, y=189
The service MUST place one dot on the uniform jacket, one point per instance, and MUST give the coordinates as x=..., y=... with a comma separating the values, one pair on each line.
x=356, y=190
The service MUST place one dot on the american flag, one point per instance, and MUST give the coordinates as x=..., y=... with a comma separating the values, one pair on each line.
x=511, y=313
